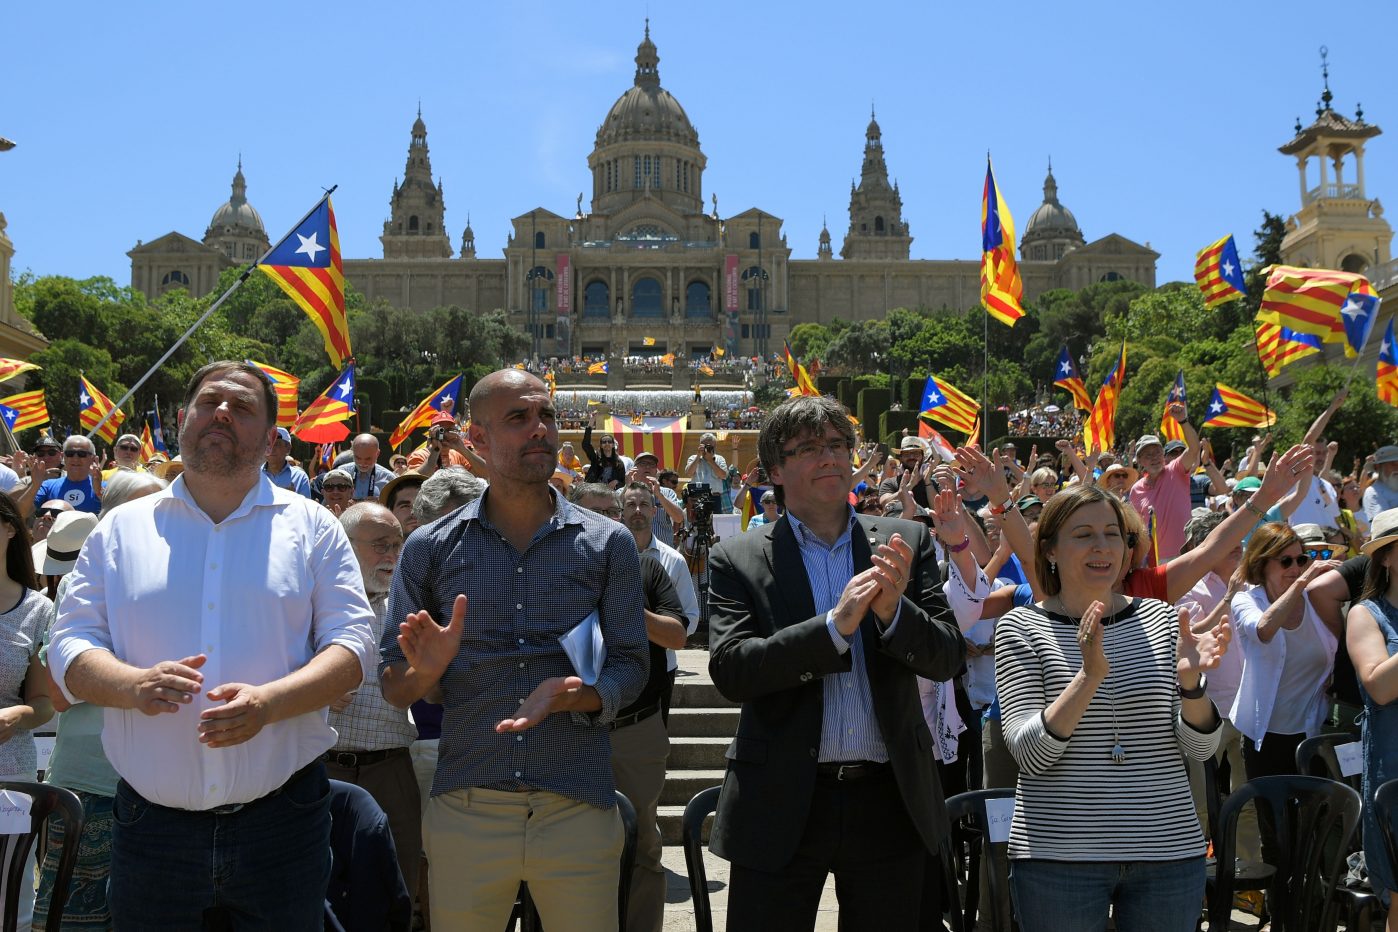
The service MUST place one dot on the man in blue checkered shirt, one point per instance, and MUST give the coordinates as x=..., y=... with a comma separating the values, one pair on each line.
x=523, y=789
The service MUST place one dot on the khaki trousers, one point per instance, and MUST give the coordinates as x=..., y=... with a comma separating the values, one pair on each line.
x=638, y=767
x=482, y=843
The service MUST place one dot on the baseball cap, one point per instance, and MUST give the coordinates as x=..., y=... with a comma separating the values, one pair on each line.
x=645, y=455
x=1146, y=441
x=443, y=418
x=283, y=435
x=1388, y=454
x=338, y=477
x=1028, y=501
x=1248, y=484
x=1173, y=446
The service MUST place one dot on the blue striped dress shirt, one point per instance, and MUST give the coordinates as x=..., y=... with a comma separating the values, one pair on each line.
x=848, y=729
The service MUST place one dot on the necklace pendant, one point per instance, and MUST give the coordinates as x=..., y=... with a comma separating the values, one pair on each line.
x=1118, y=754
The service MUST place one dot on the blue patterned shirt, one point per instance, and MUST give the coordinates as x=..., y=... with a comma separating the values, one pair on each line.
x=519, y=605
x=848, y=729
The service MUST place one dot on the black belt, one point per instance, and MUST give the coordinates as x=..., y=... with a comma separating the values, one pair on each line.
x=360, y=758
x=851, y=770
x=237, y=807
x=623, y=720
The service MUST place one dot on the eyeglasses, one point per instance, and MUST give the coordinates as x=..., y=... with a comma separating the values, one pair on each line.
x=1300, y=561
x=809, y=450
x=76, y=454
x=328, y=486
x=1319, y=553
x=612, y=512
x=382, y=547
x=129, y=447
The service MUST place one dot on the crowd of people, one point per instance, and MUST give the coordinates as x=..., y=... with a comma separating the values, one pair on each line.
x=1046, y=420
x=287, y=698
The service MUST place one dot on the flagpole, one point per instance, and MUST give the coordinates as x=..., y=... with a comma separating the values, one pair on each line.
x=985, y=375
x=246, y=273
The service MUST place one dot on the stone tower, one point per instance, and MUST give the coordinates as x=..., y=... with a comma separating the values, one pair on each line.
x=1052, y=231
x=1338, y=225
x=823, y=248
x=236, y=228
x=876, y=228
x=415, y=228
x=468, y=241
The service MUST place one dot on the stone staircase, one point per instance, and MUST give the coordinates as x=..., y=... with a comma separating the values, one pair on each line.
x=702, y=724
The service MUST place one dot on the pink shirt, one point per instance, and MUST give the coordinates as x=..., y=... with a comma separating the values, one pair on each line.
x=1169, y=496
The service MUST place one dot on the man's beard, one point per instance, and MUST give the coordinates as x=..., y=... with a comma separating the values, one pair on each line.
x=224, y=462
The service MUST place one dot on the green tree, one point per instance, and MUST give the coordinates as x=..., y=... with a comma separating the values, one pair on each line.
x=63, y=361
x=810, y=340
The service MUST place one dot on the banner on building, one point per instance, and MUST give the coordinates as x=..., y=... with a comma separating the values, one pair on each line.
x=563, y=284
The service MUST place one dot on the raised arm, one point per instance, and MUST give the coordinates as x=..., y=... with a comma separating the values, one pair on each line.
x=1317, y=428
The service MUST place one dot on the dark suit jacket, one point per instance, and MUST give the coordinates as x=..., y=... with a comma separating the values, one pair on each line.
x=770, y=651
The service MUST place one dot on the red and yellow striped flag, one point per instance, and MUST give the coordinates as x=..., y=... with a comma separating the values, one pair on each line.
x=30, y=405
x=663, y=436
x=147, y=444
x=306, y=265
x=9, y=368
x=1099, y=433
x=286, y=386
x=93, y=406
x=1001, y=287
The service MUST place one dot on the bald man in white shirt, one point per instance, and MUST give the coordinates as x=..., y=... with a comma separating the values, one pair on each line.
x=216, y=621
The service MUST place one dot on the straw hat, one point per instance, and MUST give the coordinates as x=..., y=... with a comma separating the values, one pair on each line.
x=58, y=552
x=1383, y=530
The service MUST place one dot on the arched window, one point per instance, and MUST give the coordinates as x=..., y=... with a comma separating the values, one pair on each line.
x=597, y=300
x=175, y=279
x=539, y=240
x=412, y=224
x=696, y=300
x=878, y=226
x=647, y=298
x=754, y=240
x=1111, y=277
x=1355, y=263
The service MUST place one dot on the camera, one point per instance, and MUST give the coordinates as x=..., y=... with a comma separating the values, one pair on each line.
x=700, y=501
x=439, y=433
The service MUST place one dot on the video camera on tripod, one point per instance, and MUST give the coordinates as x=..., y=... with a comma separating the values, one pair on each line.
x=700, y=502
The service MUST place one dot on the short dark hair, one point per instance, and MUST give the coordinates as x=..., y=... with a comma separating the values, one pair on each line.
x=269, y=394
x=19, y=555
x=796, y=417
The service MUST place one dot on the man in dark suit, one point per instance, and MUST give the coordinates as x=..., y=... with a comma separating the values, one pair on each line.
x=819, y=624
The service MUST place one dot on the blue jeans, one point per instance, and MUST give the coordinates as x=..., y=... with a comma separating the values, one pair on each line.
x=1068, y=896
x=263, y=867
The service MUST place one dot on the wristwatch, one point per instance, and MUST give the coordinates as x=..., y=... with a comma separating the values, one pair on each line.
x=1198, y=691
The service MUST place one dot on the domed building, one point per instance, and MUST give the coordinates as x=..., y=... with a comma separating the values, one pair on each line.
x=1052, y=231
x=235, y=236
x=648, y=254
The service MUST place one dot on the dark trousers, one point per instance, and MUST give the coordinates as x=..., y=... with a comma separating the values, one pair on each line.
x=263, y=867
x=393, y=785
x=860, y=831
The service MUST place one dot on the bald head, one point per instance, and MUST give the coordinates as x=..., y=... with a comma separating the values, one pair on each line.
x=503, y=382
x=376, y=538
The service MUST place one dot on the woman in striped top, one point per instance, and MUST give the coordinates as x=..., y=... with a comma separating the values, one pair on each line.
x=1101, y=696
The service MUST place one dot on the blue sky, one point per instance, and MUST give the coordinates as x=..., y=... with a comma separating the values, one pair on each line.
x=1162, y=119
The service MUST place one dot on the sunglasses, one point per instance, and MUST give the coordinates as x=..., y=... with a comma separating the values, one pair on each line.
x=336, y=485
x=129, y=447
x=76, y=454
x=1286, y=562
x=1320, y=553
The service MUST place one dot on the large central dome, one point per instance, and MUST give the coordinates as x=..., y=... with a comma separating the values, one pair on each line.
x=647, y=111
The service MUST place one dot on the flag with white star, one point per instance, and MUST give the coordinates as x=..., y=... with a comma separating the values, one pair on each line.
x=332, y=406
x=1171, y=429
x=1316, y=301
x=1065, y=375
x=10, y=416
x=1231, y=408
x=306, y=265
x=33, y=412
x=1386, y=378
x=1219, y=273
x=946, y=403
x=1359, y=314
x=447, y=398
x=93, y=406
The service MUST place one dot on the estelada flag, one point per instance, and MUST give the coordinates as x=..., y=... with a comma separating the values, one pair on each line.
x=1218, y=273
x=1001, y=287
x=1099, y=433
x=1066, y=376
x=944, y=402
x=1170, y=428
x=93, y=406
x=306, y=264
x=1231, y=408
x=332, y=406
x=1386, y=378
x=445, y=398
x=1279, y=346
x=286, y=387
x=1311, y=301
x=30, y=405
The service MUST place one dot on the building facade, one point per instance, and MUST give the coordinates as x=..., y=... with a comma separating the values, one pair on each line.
x=649, y=256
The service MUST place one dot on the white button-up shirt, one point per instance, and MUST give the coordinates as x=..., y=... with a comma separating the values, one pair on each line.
x=259, y=593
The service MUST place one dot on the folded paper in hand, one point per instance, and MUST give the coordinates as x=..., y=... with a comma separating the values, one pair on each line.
x=584, y=647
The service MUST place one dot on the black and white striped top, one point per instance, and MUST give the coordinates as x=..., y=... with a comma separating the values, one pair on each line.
x=1073, y=802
